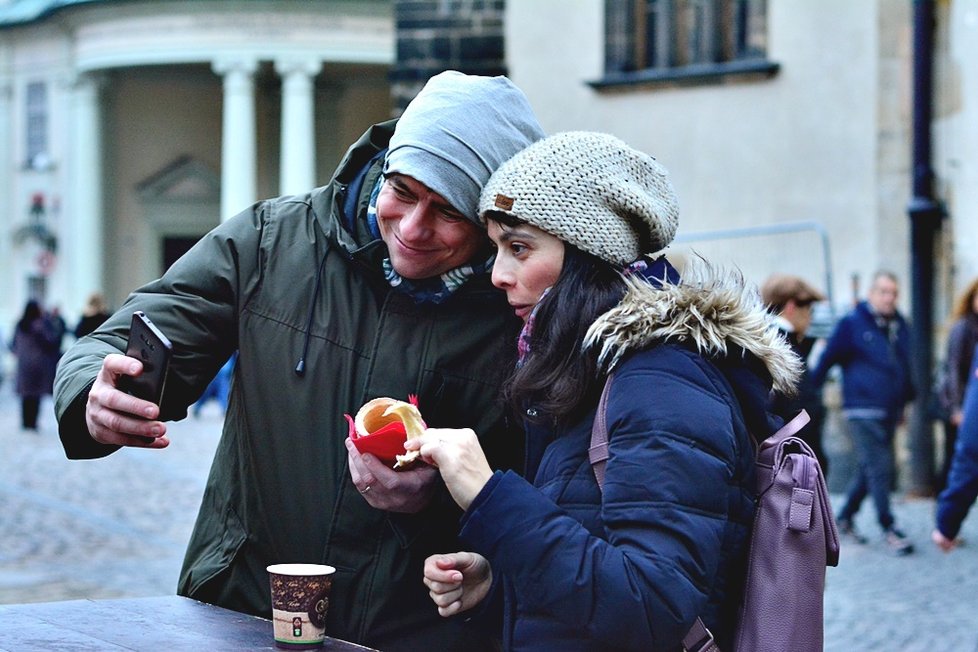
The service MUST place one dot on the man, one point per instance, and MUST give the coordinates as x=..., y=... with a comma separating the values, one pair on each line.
x=374, y=285
x=790, y=299
x=872, y=345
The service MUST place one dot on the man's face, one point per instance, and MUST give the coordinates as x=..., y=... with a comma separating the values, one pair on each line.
x=799, y=315
x=883, y=296
x=425, y=235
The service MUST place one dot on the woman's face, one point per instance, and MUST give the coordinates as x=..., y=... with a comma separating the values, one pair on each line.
x=528, y=261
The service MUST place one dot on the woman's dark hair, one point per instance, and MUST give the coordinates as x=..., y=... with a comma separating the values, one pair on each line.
x=32, y=312
x=558, y=378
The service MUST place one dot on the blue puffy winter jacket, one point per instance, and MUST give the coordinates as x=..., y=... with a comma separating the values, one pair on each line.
x=962, y=481
x=631, y=568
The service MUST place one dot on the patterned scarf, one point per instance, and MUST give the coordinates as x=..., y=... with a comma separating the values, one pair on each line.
x=523, y=341
x=429, y=290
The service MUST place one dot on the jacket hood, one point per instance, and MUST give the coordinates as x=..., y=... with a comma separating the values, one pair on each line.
x=339, y=207
x=717, y=312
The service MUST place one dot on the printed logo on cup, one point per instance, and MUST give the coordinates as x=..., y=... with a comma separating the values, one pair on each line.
x=300, y=600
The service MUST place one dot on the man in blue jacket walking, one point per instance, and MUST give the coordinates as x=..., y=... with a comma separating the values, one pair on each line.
x=872, y=345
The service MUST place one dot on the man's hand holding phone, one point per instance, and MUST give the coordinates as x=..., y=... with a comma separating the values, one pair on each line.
x=123, y=404
x=115, y=417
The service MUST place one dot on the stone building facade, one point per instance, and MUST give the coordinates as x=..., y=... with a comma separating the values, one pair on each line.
x=130, y=128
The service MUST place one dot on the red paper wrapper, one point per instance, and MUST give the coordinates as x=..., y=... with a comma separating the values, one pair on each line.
x=385, y=442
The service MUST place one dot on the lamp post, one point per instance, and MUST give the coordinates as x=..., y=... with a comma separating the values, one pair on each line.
x=925, y=214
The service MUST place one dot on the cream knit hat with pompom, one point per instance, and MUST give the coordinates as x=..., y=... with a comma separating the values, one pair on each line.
x=589, y=189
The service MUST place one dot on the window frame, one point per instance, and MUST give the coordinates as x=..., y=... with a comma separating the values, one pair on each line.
x=684, y=41
x=36, y=123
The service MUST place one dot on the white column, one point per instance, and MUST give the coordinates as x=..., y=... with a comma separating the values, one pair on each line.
x=84, y=206
x=6, y=144
x=298, y=149
x=238, y=148
x=10, y=280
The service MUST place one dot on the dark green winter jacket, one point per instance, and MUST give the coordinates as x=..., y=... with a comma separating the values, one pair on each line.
x=279, y=489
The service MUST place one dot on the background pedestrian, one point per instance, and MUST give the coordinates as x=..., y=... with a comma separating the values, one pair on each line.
x=35, y=339
x=961, y=342
x=790, y=299
x=94, y=315
x=957, y=498
x=872, y=345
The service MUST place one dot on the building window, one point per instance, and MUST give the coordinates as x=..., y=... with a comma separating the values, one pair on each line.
x=663, y=40
x=37, y=126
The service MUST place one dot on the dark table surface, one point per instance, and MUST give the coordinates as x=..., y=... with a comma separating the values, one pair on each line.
x=164, y=623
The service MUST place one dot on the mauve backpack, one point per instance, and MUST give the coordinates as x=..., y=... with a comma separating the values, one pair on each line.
x=793, y=539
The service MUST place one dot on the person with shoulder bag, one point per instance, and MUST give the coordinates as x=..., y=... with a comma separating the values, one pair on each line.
x=631, y=566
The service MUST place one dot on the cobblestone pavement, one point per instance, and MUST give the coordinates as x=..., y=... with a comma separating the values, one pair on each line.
x=919, y=603
x=114, y=527
x=117, y=527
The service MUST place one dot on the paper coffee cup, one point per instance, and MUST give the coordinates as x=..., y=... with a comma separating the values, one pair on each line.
x=300, y=598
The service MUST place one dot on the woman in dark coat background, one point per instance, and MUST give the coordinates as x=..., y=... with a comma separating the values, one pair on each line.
x=630, y=566
x=954, y=503
x=961, y=342
x=95, y=313
x=33, y=344
x=789, y=298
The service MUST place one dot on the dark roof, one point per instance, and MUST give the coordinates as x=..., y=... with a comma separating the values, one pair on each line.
x=22, y=12
x=14, y=13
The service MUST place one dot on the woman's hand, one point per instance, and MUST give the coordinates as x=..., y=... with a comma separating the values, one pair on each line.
x=458, y=581
x=459, y=457
x=957, y=417
x=942, y=542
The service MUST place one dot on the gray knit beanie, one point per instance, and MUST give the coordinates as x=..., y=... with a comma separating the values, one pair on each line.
x=591, y=190
x=457, y=131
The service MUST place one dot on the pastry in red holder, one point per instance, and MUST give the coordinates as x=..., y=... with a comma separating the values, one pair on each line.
x=382, y=426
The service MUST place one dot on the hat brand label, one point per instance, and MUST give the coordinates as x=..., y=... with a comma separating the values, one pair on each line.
x=504, y=203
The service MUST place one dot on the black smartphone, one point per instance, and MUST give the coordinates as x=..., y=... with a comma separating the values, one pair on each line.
x=151, y=347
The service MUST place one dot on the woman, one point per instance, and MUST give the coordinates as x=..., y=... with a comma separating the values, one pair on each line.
x=34, y=341
x=955, y=501
x=95, y=313
x=961, y=342
x=632, y=566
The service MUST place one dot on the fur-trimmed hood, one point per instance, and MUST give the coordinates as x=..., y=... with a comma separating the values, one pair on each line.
x=717, y=312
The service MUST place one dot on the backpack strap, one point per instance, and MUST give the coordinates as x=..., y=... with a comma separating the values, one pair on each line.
x=699, y=639
x=789, y=429
x=598, y=450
